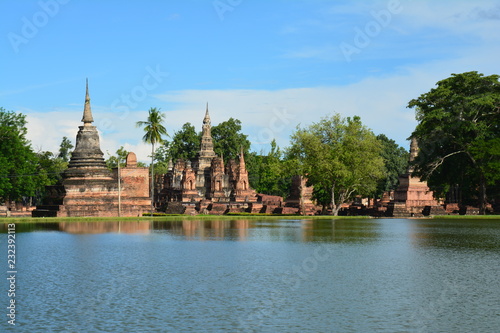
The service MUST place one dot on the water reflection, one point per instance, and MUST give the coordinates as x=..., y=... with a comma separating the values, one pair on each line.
x=341, y=230
x=284, y=275
x=206, y=229
x=326, y=230
x=85, y=227
x=456, y=234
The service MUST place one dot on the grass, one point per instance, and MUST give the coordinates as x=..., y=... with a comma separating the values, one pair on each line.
x=231, y=216
x=172, y=217
x=468, y=217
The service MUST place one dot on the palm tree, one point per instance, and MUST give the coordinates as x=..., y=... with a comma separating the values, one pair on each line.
x=154, y=130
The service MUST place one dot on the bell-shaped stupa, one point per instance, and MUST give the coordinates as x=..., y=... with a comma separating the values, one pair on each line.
x=87, y=161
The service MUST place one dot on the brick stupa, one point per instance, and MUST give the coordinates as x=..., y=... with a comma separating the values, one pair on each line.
x=412, y=196
x=89, y=188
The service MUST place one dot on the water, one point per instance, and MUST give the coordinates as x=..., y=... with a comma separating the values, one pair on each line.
x=256, y=276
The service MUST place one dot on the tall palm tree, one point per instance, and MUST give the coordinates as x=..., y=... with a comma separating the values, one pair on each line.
x=154, y=130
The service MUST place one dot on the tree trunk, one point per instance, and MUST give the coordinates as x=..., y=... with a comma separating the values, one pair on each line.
x=335, y=209
x=482, y=195
x=301, y=199
x=152, y=177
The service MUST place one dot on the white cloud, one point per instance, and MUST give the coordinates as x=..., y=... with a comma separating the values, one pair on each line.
x=46, y=129
x=267, y=114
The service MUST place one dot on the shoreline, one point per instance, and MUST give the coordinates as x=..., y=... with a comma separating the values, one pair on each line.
x=7, y=220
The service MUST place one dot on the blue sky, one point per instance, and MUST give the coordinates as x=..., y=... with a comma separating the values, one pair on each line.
x=271, y=64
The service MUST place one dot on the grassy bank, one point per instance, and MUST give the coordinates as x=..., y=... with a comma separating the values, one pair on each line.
x=172, y=218
x=223, y=217
x=466, y=217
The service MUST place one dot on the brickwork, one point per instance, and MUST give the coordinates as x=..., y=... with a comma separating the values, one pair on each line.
x=412, y=195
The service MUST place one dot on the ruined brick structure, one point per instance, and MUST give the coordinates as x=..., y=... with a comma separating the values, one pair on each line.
x=89, y=188
x=413, y=197
x=300, y=198
x=207, y=184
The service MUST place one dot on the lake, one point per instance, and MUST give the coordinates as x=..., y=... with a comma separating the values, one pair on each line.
x=346, y=275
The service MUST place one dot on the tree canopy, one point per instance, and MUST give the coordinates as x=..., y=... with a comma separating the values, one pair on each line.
x=268, y=173
x=228, y=139
x=120, y=156
x=18, y=162
x=458, y=133
x=185, y=143
x=340, y=157
x=65, y=149
x=395, y=161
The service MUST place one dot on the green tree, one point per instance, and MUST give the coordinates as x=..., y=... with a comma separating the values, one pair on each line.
x=185, y=144
x=395, y=161
x=458, y=133
x=18, y=162
x=65, y=149
x=49, y=171
x=228, y=139
x=340, y=157
x=155, y=130
x=120, y=155
x=268, y=173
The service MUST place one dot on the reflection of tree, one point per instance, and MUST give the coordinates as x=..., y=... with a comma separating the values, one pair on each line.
x=340, y=230
x=207, y=229
x=327, y=230
x=457, y=234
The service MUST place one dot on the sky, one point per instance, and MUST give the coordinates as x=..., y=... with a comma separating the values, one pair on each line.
x=272, y=64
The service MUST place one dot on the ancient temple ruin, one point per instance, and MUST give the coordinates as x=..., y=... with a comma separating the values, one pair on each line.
x=207, y=184
x=89, y=188
x=412, y=196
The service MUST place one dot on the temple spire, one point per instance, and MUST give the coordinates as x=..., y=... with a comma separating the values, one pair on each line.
x=242, y=159
x=87, y=112
x=206, y=120
x=413, y=154
x=207, y=145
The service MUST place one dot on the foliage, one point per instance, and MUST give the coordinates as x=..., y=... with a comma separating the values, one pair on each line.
x=49, y=172
x=18, y=162
x=228, y=139
x=340, y=157
x=185, y=144
x=268, y=173
x=153, y=127
x=458, y=135
x=120, y=155
x=50, y=167
x=65, y=149
x=395, y=161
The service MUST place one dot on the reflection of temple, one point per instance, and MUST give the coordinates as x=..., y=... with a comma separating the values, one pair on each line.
x=413, y=197
x=207, y=229
x=99, y=227
x=88, y=188
x=207, y=184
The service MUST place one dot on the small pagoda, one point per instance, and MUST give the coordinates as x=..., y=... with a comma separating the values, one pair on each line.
x=89, y=188
x=412, y=196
